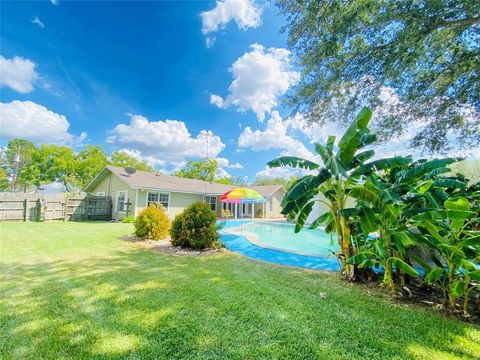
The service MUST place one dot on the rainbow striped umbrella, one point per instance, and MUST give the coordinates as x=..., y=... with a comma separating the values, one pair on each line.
x=242, y=195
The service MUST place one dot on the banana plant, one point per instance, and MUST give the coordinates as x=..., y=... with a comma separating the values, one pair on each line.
x=333, y=180
x=376, y=212
x=456, y=248
x=384, y=203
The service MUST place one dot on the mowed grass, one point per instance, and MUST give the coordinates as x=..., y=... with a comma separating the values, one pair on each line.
x=77, y=290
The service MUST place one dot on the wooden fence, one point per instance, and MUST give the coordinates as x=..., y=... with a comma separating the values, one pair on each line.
x=66, y=207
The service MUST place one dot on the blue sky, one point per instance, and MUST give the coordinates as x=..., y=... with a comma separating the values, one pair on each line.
x=160, y=81
x=99, y=63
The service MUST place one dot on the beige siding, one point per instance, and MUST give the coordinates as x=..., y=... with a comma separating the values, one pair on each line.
x=110, y=185
x=276, y=199
x=177, y=201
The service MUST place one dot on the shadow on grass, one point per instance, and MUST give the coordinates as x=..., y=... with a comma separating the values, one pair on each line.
x=142, y=304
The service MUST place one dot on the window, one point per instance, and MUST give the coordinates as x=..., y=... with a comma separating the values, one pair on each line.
x=212, y=201
x=270, y=204
x=122, y=200
x=100, y=193
x=158, y=198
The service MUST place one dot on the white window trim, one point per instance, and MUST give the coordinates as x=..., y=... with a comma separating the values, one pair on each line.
x=100, y=193
x=211, y=196
x=158, y=192
x=116, y=199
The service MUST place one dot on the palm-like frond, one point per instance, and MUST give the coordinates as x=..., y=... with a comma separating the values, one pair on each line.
x=294, y=162
x=351, y=140
x=381, y=164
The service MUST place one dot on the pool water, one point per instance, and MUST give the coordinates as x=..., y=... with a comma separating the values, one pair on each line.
x=282, y=237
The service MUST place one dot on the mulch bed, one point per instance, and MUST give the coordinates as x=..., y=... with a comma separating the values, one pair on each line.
x=165, y=247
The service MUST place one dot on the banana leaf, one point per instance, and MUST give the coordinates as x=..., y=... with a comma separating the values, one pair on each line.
x=450, y=183
x=303, y=215
x=382, y=164
x=294, y=162
x=434, y=274
x=350, y=141
x=325, y=217
x=402, y=265
x=427, y=167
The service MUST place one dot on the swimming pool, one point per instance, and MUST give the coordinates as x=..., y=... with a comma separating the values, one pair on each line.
x=276, y=242
x=281, y=236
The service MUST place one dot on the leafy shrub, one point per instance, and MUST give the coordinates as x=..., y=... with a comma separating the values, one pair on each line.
x=128, y=219
x=195, y=228
x=152, y=223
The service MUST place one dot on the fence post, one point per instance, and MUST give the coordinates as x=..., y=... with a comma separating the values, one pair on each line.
x=65, y=209
x=39, y=210
x=25, y=210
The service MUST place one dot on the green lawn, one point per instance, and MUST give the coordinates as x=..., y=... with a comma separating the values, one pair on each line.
x=77, y=290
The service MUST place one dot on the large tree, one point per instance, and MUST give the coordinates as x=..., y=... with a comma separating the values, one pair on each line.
x=90, y=161
x=207, y=170
x=122, y=159
x=53, y=163
x=353, y=52
x=16, y=158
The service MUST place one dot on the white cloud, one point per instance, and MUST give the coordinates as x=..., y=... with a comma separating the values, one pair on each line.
x=136, y=154
x=17, y=73
x=275, y=136
x=167, y=140
x=245, y=13
x=216, y=100
x=38, y=22
x=225, y=163
x=260, y=77
x=281, y=172
x=55, y=2
x=31, y=121
x=209, y=41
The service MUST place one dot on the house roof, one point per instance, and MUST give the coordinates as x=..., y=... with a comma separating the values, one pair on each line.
x=158, y=181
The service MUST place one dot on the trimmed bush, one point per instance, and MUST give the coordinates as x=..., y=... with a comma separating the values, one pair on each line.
x=152, y=223
x=195, y=228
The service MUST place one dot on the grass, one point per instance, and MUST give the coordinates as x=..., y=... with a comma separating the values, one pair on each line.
x=77, y=290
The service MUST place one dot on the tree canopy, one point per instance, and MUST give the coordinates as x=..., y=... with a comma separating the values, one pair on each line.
x=286, y=183
x=122, y=159
x=207, y=170
x=24, y=166
x=353, y=52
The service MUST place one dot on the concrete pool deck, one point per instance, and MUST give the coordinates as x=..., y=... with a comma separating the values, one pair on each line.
x=237, y=242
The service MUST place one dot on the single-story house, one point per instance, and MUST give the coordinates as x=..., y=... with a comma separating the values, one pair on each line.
x=132, y=191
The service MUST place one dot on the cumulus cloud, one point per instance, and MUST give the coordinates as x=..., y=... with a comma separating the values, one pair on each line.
x=225, y=163
x=55, y=2
x=28, y=120
x=245, y=13
x=275, y=136
x=18, y=74
x=168, y=140
x=137, y=154
x=260, y=77
x=281, y=172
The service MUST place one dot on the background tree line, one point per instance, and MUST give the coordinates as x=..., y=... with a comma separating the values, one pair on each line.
x=26, y=167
